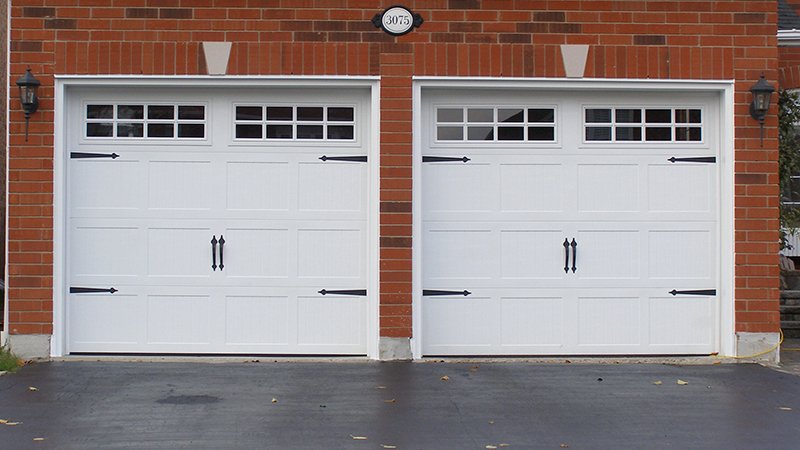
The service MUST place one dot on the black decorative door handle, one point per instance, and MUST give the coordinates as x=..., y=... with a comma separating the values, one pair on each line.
x=566, y=255
x=214, y=252
x=221, y=252
x=574, y=246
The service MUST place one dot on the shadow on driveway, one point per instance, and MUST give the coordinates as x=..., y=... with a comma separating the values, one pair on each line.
x=107, y=405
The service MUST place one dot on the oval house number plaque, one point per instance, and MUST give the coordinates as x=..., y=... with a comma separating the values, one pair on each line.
x=397, y=20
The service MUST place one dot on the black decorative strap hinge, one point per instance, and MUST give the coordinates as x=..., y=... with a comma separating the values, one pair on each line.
x=696, y=159
x=710, y=292
x=80, y=155
x=88, y=290
x=444, y=159
x=363, y=158
x=434, y=292
x=361, y=292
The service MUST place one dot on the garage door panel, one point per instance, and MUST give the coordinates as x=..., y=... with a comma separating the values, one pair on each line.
x=257, y=253
x=532, y=187
x=331, y=186
x=331, y=321
x=681, y=254
x=106, y=186
x=105, y=321
x=180, y=185
x=106, y=244
x=257, y=320
x=680, y=188
x=532, y=321
x=608, y=254
x=608, y=187
x=609, y=321
x=454, y=187
x=179, y=319
x=682, y=321
x=532, y=254
x=183, y=252
x=257, y=185
x=459, y=254
x=458, y=325
x=330, y=253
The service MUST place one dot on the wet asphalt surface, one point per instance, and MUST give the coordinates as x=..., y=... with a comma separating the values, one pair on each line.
x=332, y=405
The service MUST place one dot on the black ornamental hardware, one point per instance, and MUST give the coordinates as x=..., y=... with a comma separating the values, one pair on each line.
x=397, y=20
x=88, y=290
x=81, y=155
x=444, y=159
x=221, y=252
x=344, y=158
x=566, y=255
x=696, y=159
x=214, y=252
x=711, y=292
x=574, y=246
x=361, y=292
x=434, y=292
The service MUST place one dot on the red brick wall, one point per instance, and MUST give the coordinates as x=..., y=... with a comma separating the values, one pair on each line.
x=520, y=38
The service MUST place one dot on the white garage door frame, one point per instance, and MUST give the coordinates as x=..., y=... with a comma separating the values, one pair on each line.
x=65, y=83
x=722, y=89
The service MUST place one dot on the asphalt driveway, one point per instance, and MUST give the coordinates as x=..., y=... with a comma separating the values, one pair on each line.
x=333, y=405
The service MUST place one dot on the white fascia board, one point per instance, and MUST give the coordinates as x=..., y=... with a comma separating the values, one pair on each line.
x=788, y=38
x=573, y=84
x=216, y=81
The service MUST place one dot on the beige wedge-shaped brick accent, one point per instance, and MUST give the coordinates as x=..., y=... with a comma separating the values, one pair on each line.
x=574, y=57
x=217, y=55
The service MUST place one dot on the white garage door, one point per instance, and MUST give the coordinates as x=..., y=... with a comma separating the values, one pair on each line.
x=569, y=223
x=217, y=221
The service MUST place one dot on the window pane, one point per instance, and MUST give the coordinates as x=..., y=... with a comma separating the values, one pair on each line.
x=130, y=130
x=99, y=129
x=191, y=130
x=541, y=115
x=279, y=131
x=248, y=131
x=480, y=115
x=449, y=133
x=688, y=116
x=191, y=112
x=309, y=115
x=598, y=133
x=249, y=112
x=688, y=134
x=130, y=112
x=309, y=132
x=510, y=133
x=279, y=113
x=99, y=111
x=160, y=130
x=160, y=112
x=340, y=132
x=510, y=115
x=541, y=133
x=480, y=133
x=658, y=115
x=629, y=134
x=658, y=133
x=449, y=115
x=598, y=116
x=695, y=116
x=628, y=115
x=340, y=114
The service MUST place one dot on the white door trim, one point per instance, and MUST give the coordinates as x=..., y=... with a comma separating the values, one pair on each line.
x=724, y=89
x=63, y=83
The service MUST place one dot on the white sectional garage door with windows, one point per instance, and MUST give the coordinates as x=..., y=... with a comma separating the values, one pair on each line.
x=217, y=220
x=573, y=222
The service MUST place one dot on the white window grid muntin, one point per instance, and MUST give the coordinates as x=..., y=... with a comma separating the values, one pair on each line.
x=115, y=121
x=264, y=122
x=643, y=124
x=495, y=124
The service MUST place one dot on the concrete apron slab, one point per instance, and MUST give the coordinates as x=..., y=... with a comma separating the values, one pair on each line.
x=429, y=405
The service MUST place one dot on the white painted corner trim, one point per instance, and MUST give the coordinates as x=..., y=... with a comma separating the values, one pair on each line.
x=63, y=84
x=725, y=341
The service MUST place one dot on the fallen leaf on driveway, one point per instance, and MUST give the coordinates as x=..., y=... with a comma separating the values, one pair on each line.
x=491, y=446
x=491, y=422
x=504, y=445
x=380, y=387
x=32, y=388
x=682, y=383
x=784, y=408
x=391, y=400
x=658, y=383
x=445, y=378
x=564, y=446
x=358, y=438
x=38, y=439
x=474, y=368
x=3, y=421
x=11, y=424
x=274, y=400
x=388, y=446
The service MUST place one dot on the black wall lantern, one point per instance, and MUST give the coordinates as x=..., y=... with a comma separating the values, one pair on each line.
x=28, y=87
x=762, y=94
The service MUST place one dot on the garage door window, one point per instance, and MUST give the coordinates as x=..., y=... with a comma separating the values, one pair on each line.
x=508, y=124
x=145, y=121
x=267, y=122
x=643, y=124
